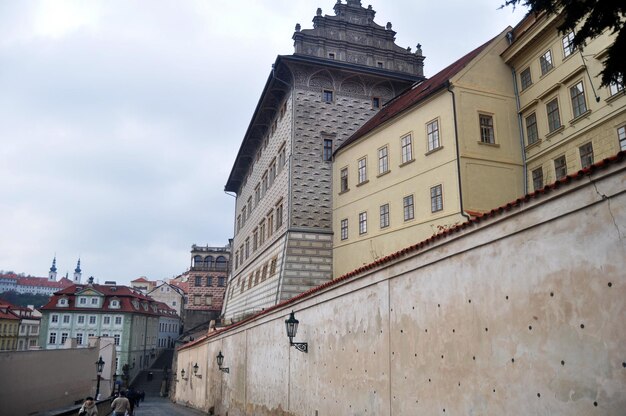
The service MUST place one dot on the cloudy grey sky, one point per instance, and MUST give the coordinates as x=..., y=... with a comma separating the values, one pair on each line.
x=120, y=119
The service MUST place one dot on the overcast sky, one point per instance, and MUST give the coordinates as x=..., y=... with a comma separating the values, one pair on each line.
x=120, y=119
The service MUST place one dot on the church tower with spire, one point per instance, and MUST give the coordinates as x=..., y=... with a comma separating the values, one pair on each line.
x=52, y=274
x=77, y=272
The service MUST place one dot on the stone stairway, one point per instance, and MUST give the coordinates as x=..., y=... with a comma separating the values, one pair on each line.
x=149, y=381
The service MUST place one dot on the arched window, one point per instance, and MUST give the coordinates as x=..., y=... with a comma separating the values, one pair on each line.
x=197, y=261
x=221, y=262
x=208, y=261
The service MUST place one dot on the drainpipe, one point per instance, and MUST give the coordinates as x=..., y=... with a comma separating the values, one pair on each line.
x=458, y=156
x=520, y=125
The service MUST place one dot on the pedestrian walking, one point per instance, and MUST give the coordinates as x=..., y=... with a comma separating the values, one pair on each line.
x=121, y=405
x=88, y=408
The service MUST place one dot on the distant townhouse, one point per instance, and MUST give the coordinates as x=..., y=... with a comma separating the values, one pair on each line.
x=171, y=294
x=569, y=121
x=143, y=284
x=443, y=150
x=207, y=279
x=30, y=323
x=9, y=328
x=92, y=310
x=169, y=326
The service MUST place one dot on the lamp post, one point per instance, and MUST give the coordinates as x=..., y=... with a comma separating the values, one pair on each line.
x=99, y=365
x=220, y=361
x=291, y=325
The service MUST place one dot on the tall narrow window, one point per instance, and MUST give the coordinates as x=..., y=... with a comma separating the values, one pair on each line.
x=344, y=229
x=568, y=44
x=362, y=222
x=270, y=223
x=281, y=158
x=362, y=168
x=432, y=131
x=486, y=129
x=249, y=206
x=617, y=86
x=436, y=199
x=407, y=148
x=621, y=137
x=577, y=93
x=264, y=185
x=272, y=172
x=409, y=209
x=538, y=178
x=383, y=160
x=545, y=62
x=526, y=78
x=279, y=215
x=328, y=150
x=375, y=102
x=531, y=129
x=257, y=195
x=554, y=119
x=560, y=167
x=247, y=249
x=586, y=155
x=255, y=239
x=262, y=233
x=384, y=216
x=327, y=96
x=344, y=180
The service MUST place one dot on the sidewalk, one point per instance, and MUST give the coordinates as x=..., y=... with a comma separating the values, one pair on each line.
x=160, y=406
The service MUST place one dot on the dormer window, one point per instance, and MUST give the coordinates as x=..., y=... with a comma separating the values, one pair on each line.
x=114, y=304
x=63, y=302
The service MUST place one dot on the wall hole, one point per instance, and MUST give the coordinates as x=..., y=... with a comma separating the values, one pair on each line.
x=416, y=354
x=429, y=380
x=474, y=358
x=530, y=327
x=562, y=362
x=401, y=331
x=538, y=394
x=624, y=364
x=486, y=329
x=512, y=360
x=442, y=357
x=552, y=294
x=426, y=330
x=459, y=384
x=595, y=404
x=453, y=330
x=494, y=390
x=439, y=305
x=469, y=301
x=507, y=297
x=444, y=410
x=413, y=307
x=610, y=284
x=582, y=326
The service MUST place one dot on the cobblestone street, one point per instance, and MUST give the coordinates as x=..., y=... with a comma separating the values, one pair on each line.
x=158, y=406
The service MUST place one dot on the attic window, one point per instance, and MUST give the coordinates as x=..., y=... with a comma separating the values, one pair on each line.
x=331, y=55
x=62, y=302
x=114, y=304
x=380, y=64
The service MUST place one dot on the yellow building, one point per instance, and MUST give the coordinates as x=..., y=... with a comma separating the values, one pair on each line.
x=568, y=120
x=447, y=148
x=9, y=327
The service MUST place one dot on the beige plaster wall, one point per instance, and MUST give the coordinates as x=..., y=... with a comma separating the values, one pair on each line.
x=521, y=314
x=39, y=380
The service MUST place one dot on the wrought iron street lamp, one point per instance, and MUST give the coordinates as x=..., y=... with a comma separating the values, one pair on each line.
x=220, y=361
x=195, y=370
x=292, y=328
x=182, y=374
x=99, y=366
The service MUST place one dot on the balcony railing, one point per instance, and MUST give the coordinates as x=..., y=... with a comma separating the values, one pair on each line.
x=210, y=267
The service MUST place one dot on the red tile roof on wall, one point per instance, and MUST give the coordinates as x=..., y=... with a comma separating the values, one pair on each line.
x=44, y=282
x=581, y=174
x=415, y=95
